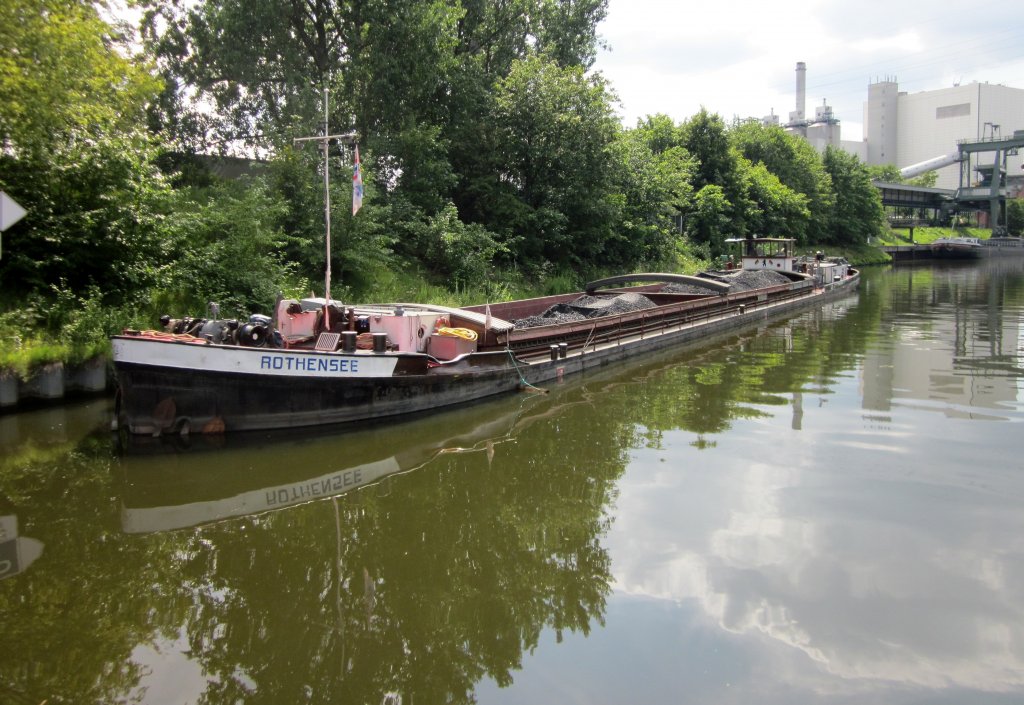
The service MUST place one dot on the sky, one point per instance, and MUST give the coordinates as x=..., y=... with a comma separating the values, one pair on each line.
x=737, y=58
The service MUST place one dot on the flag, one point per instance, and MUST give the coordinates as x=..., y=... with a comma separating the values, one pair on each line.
x=357, y=185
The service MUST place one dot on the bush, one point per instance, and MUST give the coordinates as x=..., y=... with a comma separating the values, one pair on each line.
x=1015, y=217
x=23, y=345
x=460, y=254
x=229, y=247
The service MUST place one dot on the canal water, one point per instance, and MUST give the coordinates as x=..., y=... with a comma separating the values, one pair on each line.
x=827, y=509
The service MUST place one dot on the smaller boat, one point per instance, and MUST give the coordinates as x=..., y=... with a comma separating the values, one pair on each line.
x=957, y=248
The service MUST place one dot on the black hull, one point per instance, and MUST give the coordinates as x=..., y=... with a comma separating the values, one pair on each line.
x=156, y=399
x=958, y=254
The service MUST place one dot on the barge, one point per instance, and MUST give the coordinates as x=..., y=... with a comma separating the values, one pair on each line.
x=319, y=362
x=957, y=248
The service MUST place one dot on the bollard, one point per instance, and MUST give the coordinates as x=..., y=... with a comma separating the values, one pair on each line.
x=563, y=348
x=348, y=341
x=380, y=342
x=554, y=352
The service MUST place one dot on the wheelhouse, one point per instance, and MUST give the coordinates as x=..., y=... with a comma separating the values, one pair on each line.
x=776, y=253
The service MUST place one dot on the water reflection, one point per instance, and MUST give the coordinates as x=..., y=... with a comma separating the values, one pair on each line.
x=422, y=583
x=872, y=578
x=877, y=553
x=173, y=483
x=953, y=343
x=17, y=553
x=785, y=505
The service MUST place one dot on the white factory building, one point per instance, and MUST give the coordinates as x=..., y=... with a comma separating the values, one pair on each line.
x=909, y=128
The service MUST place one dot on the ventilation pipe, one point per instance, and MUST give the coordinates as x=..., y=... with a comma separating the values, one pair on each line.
x=909, y=172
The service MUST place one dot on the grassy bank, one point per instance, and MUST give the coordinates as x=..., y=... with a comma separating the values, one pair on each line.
x=928, y=235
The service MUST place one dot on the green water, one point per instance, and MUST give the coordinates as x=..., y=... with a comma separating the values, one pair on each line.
x=827, y=509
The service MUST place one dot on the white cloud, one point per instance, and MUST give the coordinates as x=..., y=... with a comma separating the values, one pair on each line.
x=840, y=560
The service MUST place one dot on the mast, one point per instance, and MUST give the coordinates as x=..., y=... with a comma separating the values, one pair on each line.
x=325, y=142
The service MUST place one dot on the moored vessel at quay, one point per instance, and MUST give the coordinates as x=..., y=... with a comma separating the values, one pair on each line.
x=957, y=248
x=317, y=362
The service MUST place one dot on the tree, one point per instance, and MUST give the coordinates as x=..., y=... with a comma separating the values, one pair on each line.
x=858, y=213
x=568, y=30
x=263, y=66
x=710, y=218
x=553, y=126
x=779, y=211
x=421, y=82
x=659, y=132
x=797, y=166
x=1015, y=216
x=229, y=249
x=260, y=65
x=888, y=173
x=64, y=74
x=96, y=207
x=717, y=164
x=76, y=153
x=927, y=179
x=650, y=193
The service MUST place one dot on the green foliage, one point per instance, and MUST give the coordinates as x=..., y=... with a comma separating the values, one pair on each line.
x=63, y=73
x=295, y=177
x=710, y=218
x=228, y=251
x=84, y=324
x=858, y=213
x=689, y=258
x=653, y=189
x=72, y=109
x=553, y=126
x=24, y=345
x=359, y=245
x=888, y=173
x=779, y=211
x=31, y=354
x=797, y=166
x=456, y=252
x=659, y=132
x=722, y=215
x=928, y=179
x=1015, y=216
x=96, y=207
x=567, y=31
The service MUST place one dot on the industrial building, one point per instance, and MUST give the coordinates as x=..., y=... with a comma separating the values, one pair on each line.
x=910, y=128
x=970, y=135
x=822, y=130
x=907, y=129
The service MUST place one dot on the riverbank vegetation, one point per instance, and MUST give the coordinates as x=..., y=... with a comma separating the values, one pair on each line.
x=493, y=161
x=925, y=235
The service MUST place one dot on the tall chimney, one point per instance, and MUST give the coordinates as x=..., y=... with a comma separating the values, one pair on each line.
x=801, y=89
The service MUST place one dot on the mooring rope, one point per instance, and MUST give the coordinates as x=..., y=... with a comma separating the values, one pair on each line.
x=519, y=372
